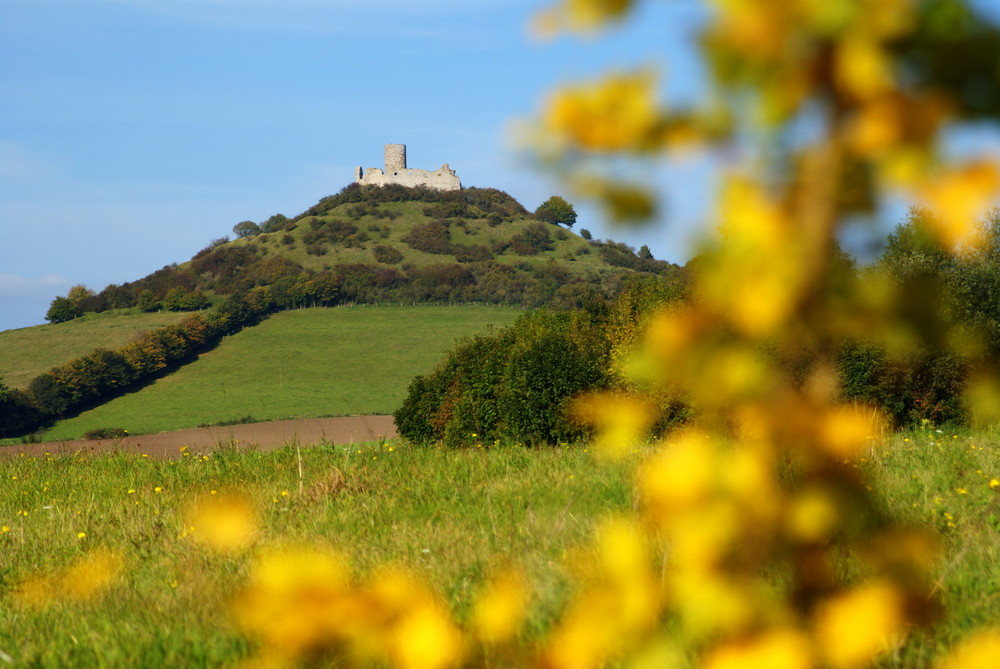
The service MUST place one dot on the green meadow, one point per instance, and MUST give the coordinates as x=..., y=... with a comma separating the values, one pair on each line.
x=27, y=352
x=297, y=364
x=451, y=516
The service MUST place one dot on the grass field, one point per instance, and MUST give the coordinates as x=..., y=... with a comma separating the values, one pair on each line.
x=450, y=516
x=304, y=363
x=27, y=352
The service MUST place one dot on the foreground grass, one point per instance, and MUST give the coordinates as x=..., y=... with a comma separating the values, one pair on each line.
x=448, y=515
x=298, y=364
x=948, y=482
x=27, y=352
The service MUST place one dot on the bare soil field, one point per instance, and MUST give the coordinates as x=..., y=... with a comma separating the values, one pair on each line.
x=263, y=436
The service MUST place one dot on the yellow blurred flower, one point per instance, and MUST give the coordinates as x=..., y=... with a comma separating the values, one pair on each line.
x=621, y=421
x=500, y=609
x=775, y=649
x=845, y=430
x=855, y=627
x=295, y=600
x=425, y=638
x=958, y=200
x=223, y=523
x=679, y=476
x=86, y=578
x=862, y=67
x=580, y=15
x=979, y=651
x=813, y=515
x=615, y=114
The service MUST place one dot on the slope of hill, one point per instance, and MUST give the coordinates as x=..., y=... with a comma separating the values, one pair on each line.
x=382, y=244
x=301, y=363
x=367, y=245
x=27, y=352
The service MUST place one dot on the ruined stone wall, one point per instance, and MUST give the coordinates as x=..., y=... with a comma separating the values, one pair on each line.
x=441, y=179
x=396, y=172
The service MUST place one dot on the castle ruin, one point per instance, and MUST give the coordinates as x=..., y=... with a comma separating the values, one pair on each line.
x=396, y=172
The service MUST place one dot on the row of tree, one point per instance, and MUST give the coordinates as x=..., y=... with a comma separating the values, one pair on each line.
x=106, y=373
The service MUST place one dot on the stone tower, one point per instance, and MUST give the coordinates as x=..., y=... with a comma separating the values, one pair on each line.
x=396, y=172
x=395, y=158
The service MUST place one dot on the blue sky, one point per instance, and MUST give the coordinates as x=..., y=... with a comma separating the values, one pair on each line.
x=133, y=132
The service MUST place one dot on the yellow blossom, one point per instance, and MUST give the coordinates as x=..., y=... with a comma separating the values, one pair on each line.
x=980, y=651
x=621, y=421
x=223, y=523
x=855, y=627
x=618, y=113
x=776, y=649
x=499, y=610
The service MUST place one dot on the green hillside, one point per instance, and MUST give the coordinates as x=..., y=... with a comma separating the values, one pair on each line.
x=364, y=245
x=27, y=352
x=301, y=363
x=391, y=244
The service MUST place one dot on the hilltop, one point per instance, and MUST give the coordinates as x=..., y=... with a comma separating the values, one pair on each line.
x=374, y=244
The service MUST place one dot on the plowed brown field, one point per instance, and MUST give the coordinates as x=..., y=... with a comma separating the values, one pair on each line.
x=262, y=436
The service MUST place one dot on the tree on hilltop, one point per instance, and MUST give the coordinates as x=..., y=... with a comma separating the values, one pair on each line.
x=62, y=310
x=246, y=229
x=556, y=210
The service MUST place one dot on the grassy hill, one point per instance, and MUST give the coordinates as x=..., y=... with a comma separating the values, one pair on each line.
x=301, y=363
x=394, y=244
x=364, y=245
x=27, y=352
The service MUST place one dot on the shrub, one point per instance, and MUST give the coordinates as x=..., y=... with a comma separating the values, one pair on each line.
x=275, y=223
x=516, y=384
x=430, y=237
x=387, y=254
x=18, y=414
x=534, y=239
x=471, y=253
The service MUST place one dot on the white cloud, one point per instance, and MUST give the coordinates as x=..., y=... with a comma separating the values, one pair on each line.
x=46, y=285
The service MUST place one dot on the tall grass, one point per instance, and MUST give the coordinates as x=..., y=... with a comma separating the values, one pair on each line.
x=448, y=515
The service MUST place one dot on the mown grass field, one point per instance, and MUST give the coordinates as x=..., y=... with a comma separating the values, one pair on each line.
x=451, y=516
x=304, y=363
x=27, y=352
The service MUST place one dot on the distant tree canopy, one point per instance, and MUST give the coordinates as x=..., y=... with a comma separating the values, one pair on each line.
x=556, y=210
x=62, y=310
x=246, y=229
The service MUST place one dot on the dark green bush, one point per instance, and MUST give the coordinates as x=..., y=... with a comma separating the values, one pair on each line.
x=514, y=385
x=387, y=254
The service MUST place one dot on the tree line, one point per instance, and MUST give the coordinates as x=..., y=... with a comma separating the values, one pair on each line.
x=103, y=374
